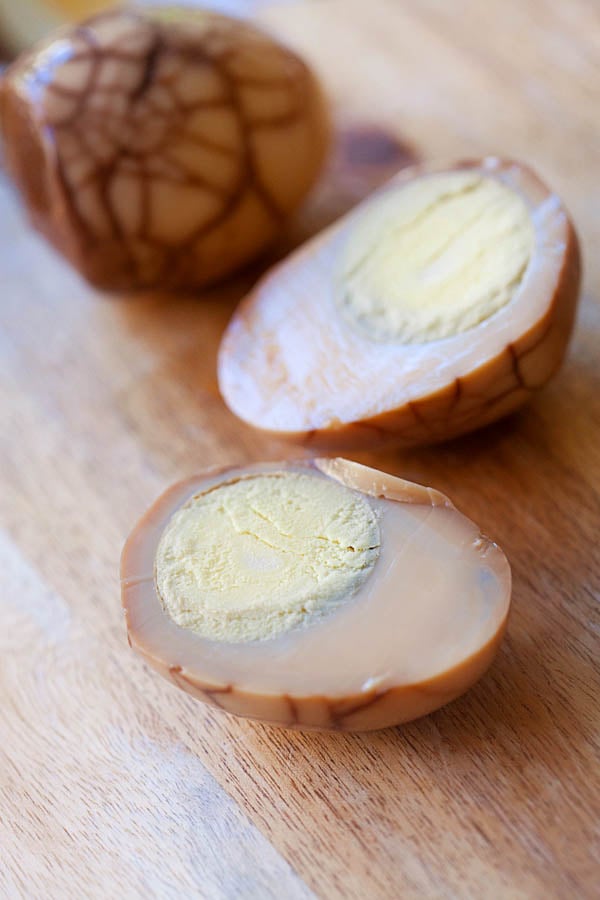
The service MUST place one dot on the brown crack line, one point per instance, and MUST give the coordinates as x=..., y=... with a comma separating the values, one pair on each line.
x=184, y=683
x=205, y=142
x=83, y=93
x=252, y=176
x=211, y=697
x=119, y=55
x=492, y=401
x=360, y=706
x=485, y=404
x=293, y=708
x=413, y=405
x=189, y=178
x=514, y=356
x=104, y=171
x=103, y=174
x=248, y=178
x=277, y=121
x=252, y=81
x=149, y=69
x=458, y=390
x=379, y=430
x=213, y=693
x=546, y=331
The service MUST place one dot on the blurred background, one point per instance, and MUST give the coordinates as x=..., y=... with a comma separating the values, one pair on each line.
x=27, y=20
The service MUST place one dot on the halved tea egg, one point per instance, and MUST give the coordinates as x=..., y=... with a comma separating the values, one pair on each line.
x=319, y=594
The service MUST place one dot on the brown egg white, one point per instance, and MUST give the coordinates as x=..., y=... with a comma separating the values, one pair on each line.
x=161, y=147
x=317, y=594
x=438, y=305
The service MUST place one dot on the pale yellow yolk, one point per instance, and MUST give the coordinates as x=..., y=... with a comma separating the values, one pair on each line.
x=434, y=258
x=253, y=558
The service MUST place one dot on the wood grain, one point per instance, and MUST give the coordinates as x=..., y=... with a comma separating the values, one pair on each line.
x=112, y=782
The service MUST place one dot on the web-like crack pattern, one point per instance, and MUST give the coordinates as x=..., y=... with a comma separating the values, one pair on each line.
x=158, y=139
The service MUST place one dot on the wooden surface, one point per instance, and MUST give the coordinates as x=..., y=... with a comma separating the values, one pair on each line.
x=114, y=784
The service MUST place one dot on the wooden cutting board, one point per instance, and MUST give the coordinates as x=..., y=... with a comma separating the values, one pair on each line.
x=113, y=784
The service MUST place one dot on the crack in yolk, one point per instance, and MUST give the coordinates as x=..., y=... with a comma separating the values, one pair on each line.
x=253, y=558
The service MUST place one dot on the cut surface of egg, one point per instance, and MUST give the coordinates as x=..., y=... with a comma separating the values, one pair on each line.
x=438, y=305
x=319, y=594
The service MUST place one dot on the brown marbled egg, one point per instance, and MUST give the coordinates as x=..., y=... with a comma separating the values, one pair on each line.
x=161, y=148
